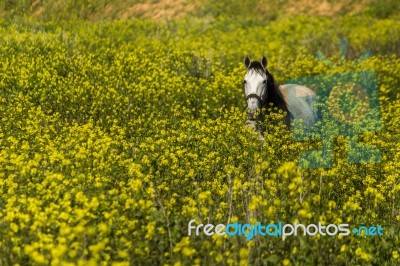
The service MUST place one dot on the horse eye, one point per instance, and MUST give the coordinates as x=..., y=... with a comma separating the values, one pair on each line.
x=265, y=81
x=244, y=81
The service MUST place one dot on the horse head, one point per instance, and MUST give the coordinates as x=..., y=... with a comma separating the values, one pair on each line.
x=258, y=83
x=261, y=93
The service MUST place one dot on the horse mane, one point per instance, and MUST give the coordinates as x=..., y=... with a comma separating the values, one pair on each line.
x=274, y=96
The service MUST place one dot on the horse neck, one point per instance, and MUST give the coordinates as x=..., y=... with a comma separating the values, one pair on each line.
x=274, y=96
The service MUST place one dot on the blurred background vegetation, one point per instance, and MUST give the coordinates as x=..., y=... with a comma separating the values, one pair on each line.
x=253, y=10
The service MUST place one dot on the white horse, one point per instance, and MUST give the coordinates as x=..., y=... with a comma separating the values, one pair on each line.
x=261, y=91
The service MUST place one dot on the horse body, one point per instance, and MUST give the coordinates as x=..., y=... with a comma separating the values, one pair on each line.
x=261, y=92
x=300, y=100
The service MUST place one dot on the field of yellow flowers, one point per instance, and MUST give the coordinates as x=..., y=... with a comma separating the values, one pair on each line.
x=114, y=135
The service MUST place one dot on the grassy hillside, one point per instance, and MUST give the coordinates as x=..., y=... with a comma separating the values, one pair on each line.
x=171, y=10
x=115, y=133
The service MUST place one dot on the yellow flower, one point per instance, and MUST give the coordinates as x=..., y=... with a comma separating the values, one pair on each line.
x=395, y=254
x=14, y=227
x=188, y=252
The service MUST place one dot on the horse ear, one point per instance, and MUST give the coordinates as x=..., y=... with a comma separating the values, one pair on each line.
x=264, y=61
x=247, y=61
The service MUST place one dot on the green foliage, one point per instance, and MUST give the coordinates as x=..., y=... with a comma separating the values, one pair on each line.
x=114, y=135
x=383, y=8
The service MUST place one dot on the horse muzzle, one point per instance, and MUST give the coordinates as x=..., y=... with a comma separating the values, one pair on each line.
x=251, y=116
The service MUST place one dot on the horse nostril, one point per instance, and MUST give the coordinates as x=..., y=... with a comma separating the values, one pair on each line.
x=251, y=116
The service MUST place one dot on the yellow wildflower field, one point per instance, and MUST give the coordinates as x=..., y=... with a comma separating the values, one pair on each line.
x=114, y=135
